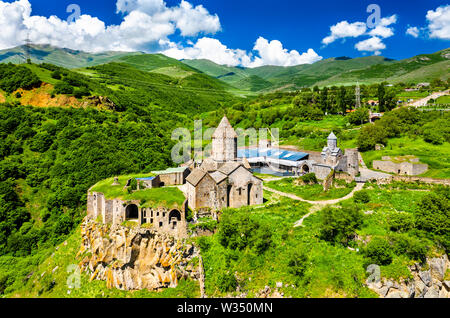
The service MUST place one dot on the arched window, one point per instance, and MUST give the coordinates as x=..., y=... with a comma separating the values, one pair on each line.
x=175, y=214
x=132, y=212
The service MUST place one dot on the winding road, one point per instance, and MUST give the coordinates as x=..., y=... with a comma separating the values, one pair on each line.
x=424, y=101
x=316, y=205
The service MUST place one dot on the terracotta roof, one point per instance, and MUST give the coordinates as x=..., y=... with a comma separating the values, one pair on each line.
x=218, y=176
x=229, y=167
x=224, y=130
x=195, y=176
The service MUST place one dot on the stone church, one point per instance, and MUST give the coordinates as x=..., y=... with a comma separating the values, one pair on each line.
x=223, y=180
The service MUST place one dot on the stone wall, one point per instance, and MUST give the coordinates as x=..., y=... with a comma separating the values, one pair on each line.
x=344, y=176
x=402, y=168
x=114, y=212
x=321, y=171
x=134, y=259
x=421, y=179
x=174, y=178
x=352, y=161
x=328, y=182
x=427, y=282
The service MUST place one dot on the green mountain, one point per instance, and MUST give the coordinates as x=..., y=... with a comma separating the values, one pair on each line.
x=334, y=71
x=245, y=81
x=425, y=67
x=58, y=56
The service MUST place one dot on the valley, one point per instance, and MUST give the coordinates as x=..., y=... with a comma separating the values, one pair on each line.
x=70, y=120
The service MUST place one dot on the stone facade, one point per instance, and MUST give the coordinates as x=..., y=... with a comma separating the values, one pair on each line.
x=332, y=158
x=224, y=142
x=223, y=180
x=410, y=168
x=116, y=211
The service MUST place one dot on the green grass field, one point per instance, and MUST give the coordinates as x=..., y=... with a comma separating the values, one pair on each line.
x=312, y=192
x=167, y=196
x=436, y=156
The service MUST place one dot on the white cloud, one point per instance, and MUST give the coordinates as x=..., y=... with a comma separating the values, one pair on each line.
x=210, y=49
x=382, y=29
x=344, y=29
x=413, y=31
x=439, y=23
x=269, y=53
x=373, y=44
x=273, y=53
x=145, y=23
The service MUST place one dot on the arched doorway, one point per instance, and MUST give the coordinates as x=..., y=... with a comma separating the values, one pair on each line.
x=249, y=194
x=132, y=212
x=174, y=218
x=305, y=169
x=229, y=188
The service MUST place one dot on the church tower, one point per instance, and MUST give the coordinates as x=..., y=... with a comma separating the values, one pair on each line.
x=332, y=141
x=224, y=142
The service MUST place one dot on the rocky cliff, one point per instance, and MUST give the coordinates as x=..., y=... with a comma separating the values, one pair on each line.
x=429, y=281
x=135, y=258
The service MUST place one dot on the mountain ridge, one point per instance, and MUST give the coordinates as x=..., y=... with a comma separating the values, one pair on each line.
x=342, y=70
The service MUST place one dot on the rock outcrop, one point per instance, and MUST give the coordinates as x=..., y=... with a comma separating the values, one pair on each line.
x=135, y=258
x=428, y=282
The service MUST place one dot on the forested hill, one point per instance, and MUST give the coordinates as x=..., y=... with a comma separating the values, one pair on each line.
x=63, y=130
x=124, y=86
x=238, y=80
x=334, y=71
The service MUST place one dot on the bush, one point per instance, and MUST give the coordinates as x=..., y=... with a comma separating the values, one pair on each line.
x=298, y=264
x=81, y=92
x=378, y=251
x=237, y=231
x=227, y=282
x=56, y=75
x=433, y=136
x=361, y=197
x=433, y=214
x=414, y=248
x=339, y=224
x=400, y=222
x=63, y=88
x=309, y=178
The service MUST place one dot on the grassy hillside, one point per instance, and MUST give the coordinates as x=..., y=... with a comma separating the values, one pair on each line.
x=334, y=71
x=415, y=69
x=273, y=77
x=62, y=57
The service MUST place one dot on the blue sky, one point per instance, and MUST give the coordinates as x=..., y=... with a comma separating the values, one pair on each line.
x=237, y=32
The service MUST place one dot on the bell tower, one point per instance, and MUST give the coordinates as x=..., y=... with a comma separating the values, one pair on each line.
x=224, y=142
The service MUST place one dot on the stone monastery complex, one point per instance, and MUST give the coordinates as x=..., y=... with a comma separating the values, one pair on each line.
x=225, y=179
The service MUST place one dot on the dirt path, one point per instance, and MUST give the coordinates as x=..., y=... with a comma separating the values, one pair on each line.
x=316, y=205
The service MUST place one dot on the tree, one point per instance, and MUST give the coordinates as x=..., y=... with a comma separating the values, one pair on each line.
x=339, y=224
x=371, y=135
x=379, y=251
x=381, y=95
x=359, y=116
x=361, y=197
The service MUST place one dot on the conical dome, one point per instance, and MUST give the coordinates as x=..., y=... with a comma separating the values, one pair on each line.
x=332, y=136
x=224, y=130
